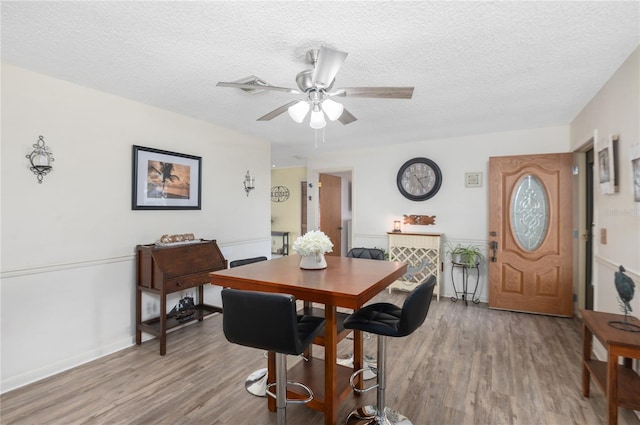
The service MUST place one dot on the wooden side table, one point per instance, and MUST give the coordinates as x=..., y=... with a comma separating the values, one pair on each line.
x=619, y=383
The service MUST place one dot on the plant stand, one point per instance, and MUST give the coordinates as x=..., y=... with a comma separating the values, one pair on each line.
x=466, y=270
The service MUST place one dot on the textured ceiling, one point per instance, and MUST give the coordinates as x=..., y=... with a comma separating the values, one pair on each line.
x=476, y=67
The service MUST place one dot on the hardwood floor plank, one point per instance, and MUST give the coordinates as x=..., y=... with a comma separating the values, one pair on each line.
x=465, y=365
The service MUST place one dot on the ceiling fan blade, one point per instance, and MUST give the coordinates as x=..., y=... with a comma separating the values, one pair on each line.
x=379, y=92
x=271, y=115
x=257, y=87
x=347, y=117
x=327, y=66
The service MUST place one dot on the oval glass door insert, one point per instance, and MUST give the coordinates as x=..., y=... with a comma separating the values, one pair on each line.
x=529, y=213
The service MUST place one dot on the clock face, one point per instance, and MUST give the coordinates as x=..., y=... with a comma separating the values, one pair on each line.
x=419, y=179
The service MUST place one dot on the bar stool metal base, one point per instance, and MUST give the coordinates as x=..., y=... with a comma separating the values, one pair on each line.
x=369, y=362
x=256, y=383
x=367, y=415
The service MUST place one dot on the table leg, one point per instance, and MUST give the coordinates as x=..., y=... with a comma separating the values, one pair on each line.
x=586, y=355
x=163, y=324
x=358, y=359
x=465, y=278
x=307, y=309
x=612, y=387
x=200, y=299
x=138, y=316
x=330, y=366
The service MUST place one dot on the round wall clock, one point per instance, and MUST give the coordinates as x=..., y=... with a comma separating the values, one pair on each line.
x=279, y=193
x=419, y=179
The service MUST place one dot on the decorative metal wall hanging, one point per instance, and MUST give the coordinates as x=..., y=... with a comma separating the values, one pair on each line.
x=40, y=159
x=249, y=183
x=279, y=193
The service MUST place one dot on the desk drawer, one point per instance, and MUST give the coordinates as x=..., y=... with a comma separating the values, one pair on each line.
x=184, y=282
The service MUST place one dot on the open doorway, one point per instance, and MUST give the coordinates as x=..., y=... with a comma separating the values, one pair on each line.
x=335, y=209
x=588, y=231
x=584, y=222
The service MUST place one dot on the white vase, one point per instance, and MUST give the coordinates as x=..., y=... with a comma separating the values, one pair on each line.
x=313, y=262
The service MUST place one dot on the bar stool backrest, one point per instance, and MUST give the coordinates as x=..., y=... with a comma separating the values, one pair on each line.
x=242, y=262
x=416, y=307
x=267, y=321
x=369, y=253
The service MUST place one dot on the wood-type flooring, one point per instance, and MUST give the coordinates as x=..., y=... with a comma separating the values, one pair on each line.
x=465, y=365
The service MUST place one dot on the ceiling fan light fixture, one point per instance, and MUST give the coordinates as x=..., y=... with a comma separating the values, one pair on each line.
x=317, y=120
x=298, y=111
x=332, y=108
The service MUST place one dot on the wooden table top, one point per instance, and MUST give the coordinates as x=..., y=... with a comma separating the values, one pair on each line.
x=346, y=282
x=598, y=321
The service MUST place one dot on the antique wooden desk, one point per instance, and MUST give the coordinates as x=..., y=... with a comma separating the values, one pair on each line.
x=163, y=270
x=619, y=383
x=346, y=282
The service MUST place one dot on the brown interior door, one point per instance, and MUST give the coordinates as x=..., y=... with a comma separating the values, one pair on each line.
x=303, y=207
x=530, y=234
x=331, y=210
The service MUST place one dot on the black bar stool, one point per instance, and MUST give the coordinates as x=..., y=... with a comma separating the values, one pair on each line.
x=387, y=320
x=256, y=382
x=244, y=261
x=269, y=322
x=369, y=362
x=368, y=253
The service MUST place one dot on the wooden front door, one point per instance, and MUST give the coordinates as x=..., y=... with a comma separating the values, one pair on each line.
x=331, y=210
x=530, y=234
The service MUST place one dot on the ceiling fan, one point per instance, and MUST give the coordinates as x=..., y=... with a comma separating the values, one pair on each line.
x=317, y=86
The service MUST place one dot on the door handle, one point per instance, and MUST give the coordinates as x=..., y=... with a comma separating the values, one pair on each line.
x=494, y=249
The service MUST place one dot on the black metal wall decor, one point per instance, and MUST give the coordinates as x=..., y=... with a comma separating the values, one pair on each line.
x=40, y=159
x=279, y=193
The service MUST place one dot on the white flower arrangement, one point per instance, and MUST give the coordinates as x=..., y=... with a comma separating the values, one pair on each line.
x=313, y=242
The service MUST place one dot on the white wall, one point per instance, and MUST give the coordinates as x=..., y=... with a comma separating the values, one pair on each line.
x=615, y=109
x=68, y=277
x=461, y=213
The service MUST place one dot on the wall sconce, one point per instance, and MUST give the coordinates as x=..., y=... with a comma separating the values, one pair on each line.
x=40, y=159
x=396, y=226
x=249, y=183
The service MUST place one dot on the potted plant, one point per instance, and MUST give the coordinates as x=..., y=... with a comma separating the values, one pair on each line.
x=467, y=255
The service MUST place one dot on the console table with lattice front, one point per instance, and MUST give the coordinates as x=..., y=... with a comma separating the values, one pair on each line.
x=422, y=253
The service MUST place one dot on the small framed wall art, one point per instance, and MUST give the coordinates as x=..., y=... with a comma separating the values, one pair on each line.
x=473, y=179
x=164, y=180
x=635, y=171
x=607, y=149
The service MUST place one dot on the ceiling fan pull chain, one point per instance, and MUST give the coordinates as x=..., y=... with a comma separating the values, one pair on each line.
x=323, y=134
x=315, y=138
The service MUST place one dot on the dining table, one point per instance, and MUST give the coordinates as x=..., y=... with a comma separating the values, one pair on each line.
x=346, y=283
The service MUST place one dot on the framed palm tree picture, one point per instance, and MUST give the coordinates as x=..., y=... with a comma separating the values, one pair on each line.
x=164, y=180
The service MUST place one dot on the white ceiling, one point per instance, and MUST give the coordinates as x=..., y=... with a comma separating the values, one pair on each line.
x=476, y=67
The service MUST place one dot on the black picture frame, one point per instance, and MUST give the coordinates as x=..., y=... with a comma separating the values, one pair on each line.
x=163, y=180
